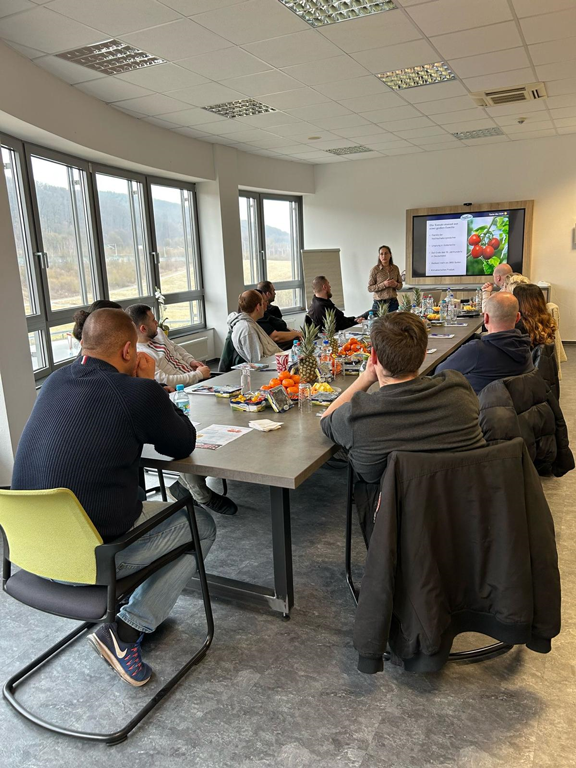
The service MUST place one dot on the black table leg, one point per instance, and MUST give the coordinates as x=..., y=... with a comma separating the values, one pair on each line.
x=282, y=547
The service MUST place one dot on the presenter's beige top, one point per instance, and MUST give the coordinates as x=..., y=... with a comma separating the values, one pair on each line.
x=378, y=275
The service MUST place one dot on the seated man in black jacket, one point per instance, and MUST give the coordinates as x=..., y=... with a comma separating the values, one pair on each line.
x=276, y=327
x=408, y=412
x=267, y=289
x=503, y=351
x=86, y=433
x=322, y=301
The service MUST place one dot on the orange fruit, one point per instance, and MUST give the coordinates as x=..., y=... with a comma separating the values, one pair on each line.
x=287, y=383
x=266, y=386
x=274, y=383
x=292, y=390
x=295, y=378
x=284, y=375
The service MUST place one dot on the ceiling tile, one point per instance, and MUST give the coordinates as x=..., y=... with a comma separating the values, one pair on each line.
x=111, y=89
x=326, y=70
x=220, y=65
x=397, y=56
x=471, y=125
x=405, y=125
x=251, y=21
x=373, y=31
x=497, y=37
x=158, y=104
x=113, y=17
x=297, y=48
x=417, y=133
x=556, y=71
x=192, y=7
x=387, y=100
x=292, y=149
x=317, y=136
x=402, y=151
x=367, y=132
x=272, y=143
x=433, y=92
x=301, y=97
x=383, y=144
x=344, y=121
x=189, y=132
x=30, y=53
x=206, y=95
x=222, y=127
x=485, y=140
x=440, y=139
x=8, y=7
x=348, y=89
x=249, y=134
x=329, y=109
x=335, y=143
x=553, y=51
x=163, y=77
x=561, y=87
x=506, y=120
x=537, y=7
x=191, y=117
x=47, y=31
x=563, y=122
x=529, y=127
x=533, y=135
x=552, y=26
x=126, y=111
x=159, y=122
x=65, y=70
x=446, y=105
x=453, y=15
x=560, y=102
x=294, y=130
x=447, y=118
x=177, y=40
x=526, y=107
x=500, y=80
x=487, y=63
x=269, y=120
x=263, y=82
x=387, y=115
x=566, y=130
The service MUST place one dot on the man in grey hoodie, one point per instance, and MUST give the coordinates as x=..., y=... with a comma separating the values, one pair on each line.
x=249, y=340
x=503, y=351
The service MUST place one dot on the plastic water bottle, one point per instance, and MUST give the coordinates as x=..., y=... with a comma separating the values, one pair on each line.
x=245, y=381
x=424, y=307
x=181, y=399
x=414, y=309
x=370, y=322
x=479, y=299
x=326, y=361
x=293, y=358
x=443, y=310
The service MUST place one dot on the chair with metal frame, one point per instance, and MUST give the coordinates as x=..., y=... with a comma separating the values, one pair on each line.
x=49, y=536
x=474, y=654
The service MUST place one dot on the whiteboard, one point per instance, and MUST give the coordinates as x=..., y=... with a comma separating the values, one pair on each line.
x=323, y=261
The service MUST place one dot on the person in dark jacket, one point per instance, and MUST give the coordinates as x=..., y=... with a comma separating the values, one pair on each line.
x=86, y=433
x=276, y=327
x=501, y=352
x=524, y=406
x=461, y=543
x=322, y=301
x=269, y=292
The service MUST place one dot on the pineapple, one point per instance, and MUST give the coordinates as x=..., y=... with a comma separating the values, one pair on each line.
x=406, y=303
x=383, y=308
x=330, y=329
x=417, y=297
x=307, y=365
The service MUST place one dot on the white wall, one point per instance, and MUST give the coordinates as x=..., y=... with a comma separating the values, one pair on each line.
x=360, y=205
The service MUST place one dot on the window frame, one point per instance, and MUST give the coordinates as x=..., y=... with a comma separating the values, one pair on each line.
x=284, y=285
x=47, y=318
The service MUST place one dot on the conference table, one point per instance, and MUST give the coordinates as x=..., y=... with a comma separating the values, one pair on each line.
x=282, y=460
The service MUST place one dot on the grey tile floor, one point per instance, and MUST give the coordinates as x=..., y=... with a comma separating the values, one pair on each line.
x=287, y=694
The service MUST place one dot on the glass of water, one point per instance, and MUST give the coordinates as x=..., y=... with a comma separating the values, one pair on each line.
x=304, y=397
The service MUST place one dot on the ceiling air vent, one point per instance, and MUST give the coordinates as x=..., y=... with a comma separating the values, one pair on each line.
x=498, y=96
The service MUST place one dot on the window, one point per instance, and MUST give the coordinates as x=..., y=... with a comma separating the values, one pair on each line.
x=85, y=232
x=272, y=244
x=176, y=253
x=124, y=240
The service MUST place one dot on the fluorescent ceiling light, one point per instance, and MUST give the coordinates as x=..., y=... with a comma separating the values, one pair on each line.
x=318, y=13
x=111, y=57
x=480, y=134
x=348, y=150
x=412, y=77
x=240, y=108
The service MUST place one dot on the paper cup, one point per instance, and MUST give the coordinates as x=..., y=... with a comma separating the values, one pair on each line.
x=282, y=361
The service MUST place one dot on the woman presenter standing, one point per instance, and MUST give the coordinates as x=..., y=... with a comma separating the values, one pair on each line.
x=385, y=281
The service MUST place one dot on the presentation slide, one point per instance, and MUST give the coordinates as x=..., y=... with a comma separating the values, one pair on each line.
x=468, y=244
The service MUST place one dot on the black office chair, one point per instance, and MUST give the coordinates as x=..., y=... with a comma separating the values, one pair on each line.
x=49, y=536
x=475, y=654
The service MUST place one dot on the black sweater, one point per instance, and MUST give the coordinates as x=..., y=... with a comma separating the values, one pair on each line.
x=318, y=307
x=86, y=433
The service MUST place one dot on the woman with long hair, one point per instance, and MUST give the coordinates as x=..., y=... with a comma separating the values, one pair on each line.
x=535, y=320
x=385, y=280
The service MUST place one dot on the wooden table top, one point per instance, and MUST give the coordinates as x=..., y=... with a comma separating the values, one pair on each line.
x=285, y=457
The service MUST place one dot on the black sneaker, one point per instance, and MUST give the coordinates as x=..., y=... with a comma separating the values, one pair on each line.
x=220, y=504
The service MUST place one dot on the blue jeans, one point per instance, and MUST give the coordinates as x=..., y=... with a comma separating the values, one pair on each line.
x=151, y=603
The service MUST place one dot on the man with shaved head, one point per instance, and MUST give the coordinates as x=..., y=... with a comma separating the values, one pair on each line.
x=503, y=351
x=86, y=433
x=490, y=289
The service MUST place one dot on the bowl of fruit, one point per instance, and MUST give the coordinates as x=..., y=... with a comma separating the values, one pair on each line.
x=289, y=381
x=354, y=348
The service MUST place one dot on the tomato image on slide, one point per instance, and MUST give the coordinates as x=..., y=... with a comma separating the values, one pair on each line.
x=487, y=244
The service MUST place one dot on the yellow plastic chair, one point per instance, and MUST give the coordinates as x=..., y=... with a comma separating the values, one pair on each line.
x=51, y=539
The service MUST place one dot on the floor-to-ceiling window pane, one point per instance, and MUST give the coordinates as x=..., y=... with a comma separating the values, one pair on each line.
x=251, y=261
x=175, y=238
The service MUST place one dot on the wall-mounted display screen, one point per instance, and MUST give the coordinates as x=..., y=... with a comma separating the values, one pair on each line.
x=467, y=244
